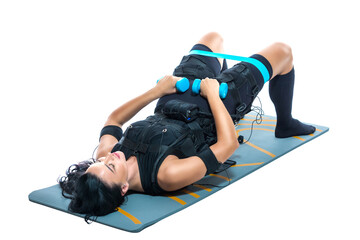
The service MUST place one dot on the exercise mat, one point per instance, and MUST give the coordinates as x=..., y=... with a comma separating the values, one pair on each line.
x=141, y=210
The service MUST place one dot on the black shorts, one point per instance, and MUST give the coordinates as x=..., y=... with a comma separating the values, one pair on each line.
x=197, y=66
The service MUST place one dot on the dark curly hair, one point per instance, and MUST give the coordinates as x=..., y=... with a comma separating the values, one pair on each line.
x=88, y=194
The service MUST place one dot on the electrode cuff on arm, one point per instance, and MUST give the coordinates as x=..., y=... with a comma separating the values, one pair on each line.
x=208, y=157
x=112, y=130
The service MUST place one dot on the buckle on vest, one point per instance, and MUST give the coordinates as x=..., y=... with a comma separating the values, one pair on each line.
x=241, y=108
x=255, y=91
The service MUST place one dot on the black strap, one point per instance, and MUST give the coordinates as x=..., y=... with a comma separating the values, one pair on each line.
x=197, y=132
x=112, y=130
x=209, y=159
x=253, y=84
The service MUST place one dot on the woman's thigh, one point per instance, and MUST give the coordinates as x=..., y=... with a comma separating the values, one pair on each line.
x=280, y=57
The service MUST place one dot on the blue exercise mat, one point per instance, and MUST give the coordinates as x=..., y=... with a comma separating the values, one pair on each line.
x=141, y=210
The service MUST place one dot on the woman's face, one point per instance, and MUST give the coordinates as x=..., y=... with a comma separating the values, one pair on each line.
x=112, y=170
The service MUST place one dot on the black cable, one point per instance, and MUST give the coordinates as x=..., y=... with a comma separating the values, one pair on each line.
x=258, y=119
x=92, y=156
x=213, y=185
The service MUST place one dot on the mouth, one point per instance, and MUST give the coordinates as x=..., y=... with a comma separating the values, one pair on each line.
x=116, y=154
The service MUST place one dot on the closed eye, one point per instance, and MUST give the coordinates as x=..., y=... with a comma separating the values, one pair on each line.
x=112, y=165
x=112, y=169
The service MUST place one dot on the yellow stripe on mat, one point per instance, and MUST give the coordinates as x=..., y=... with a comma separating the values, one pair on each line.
x=191, y=193
x=182, y=202
x=247, y=164
x=202, y=187
x=131, y=217
x=299, y=138
x=249, y=115
x=219, y=176
x=264, y=120
x=261, y=124
x=263, y=129
x=260, y=149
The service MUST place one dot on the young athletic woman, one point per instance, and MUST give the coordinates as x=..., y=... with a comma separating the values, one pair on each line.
x=163, y=154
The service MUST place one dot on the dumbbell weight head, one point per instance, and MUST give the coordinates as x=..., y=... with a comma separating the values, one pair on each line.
x=196, y=86
x=181, y=85
x=223, y=89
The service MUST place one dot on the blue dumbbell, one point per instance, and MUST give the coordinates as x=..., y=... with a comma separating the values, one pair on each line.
x=223, y=89
x=181, y=85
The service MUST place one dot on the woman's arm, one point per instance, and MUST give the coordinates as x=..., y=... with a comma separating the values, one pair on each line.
x=177, y=173
x=120, y=116
x=125, y=112
x=129, y=109
x=227, y=141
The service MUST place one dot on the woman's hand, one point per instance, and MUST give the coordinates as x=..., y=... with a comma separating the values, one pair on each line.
x=166, y=85
x=209, y=87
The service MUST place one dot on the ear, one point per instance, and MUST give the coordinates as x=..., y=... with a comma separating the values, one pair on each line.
x=124, y=188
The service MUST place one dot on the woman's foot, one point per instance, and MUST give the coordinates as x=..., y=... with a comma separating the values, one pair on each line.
x=293, y=128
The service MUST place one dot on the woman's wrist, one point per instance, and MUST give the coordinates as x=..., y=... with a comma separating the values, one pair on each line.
x=156, y=93
x=213, y=98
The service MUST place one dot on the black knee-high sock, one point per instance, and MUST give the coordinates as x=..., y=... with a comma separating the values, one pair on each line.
x=281, y=89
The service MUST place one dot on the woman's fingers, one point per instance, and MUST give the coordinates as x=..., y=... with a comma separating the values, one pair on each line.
x=209, y=87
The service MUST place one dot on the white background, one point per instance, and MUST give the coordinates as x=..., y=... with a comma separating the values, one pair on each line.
x=65, y=65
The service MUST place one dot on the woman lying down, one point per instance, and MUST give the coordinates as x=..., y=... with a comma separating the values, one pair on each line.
x=188, y=137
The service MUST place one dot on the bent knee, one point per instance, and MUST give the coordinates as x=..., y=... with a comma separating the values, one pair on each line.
x=284, y=49
x=215, y=36
x=214, y=41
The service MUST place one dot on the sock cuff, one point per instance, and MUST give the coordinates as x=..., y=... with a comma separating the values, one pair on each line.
x=264, y=61
x=291, y=73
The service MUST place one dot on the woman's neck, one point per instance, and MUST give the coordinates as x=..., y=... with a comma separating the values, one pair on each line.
x=134, y=175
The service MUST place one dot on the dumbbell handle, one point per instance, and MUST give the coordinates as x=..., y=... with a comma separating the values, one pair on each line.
x=223, y=89
x=181, y=85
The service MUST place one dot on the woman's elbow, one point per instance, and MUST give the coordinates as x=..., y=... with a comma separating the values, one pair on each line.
x=167, y=180
x=236, y=145
x=233, y=145
x=224, y=150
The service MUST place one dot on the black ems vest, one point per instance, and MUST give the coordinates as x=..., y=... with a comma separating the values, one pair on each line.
x=158, y=136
